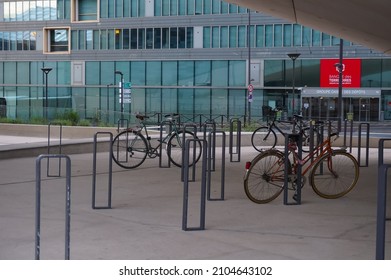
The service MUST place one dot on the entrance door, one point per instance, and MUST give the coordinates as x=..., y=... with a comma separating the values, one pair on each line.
x=364, y=110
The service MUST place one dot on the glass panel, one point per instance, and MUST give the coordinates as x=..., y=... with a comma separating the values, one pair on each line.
x=224, y=37
x=126, y=11
x=202, y=73
x=215, y=36
x=149, y=38
x=169, y=99
x=186, y=73
x=166, y=38
x=87, y=9
x=219, y=101
x=186, y=102
x=126, y=39
x=157, y=38
x=169, y=73
x=181, y=37
x=111, y=39
x=219, y=73
x=386, y=73
x=89, y=39
x=96, y=39
x=103, y=39
x=236, y=103
x=206, y=37
x=137, y=69
x=316, y=38
x=173, y=37
x=269, y=35
x=182, y=7
x=198, y=7
x=237, y=73
x=190, y=7
x=233, y=36
x=92, y=102
x=19, y=11
x=310, y=73
x=233, y=9
x=157, y=8
x=296, y=35
x=165, y=7
x=207, y=7
x=242, y=40
x=141, y=38
x=81, y=40
x=189, y=37
x=202, y=102
x=287, y=35
x=216, y=6
x=371, y=72
x=23, y=72
x=133, y=38
x=274, y=73
x=260, y=36
x=174, y=7
x=154, y=73
x=306, y=41
x=224, y=7
x=63, y=71
x=119, y=10
x=277, y=35
x=153, y=99
x=104, y=8
x=93, y=73
x=326, y=40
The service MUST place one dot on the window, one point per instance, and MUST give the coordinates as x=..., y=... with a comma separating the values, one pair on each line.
x=56, y=40
x=85, y=10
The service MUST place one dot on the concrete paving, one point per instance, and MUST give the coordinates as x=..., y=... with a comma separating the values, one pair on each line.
x=145, y=221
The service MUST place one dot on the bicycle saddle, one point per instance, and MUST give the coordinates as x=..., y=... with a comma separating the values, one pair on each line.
x=141, y=117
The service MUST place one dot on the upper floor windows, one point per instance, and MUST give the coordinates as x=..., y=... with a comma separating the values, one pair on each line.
x=34, y=10
x=85, y=10
x=56, y=40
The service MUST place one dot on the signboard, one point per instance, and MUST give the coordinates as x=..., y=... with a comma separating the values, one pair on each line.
x=127, y=92
x=351, y=73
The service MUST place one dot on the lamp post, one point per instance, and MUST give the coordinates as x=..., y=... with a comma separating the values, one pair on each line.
x=293, y=56
x=46, y=71
x=122, y=94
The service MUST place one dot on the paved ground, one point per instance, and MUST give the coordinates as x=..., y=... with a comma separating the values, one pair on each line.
x=146, y=219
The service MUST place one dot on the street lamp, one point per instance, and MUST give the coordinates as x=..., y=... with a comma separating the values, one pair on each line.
x=122, y=93
x=293, y=56
x=46, y=71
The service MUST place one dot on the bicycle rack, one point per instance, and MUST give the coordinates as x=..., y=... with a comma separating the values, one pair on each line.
x=186, y=181
x=366, y=147
x=164, y=124
x=120, y=122
x=38, y=204
x=350, y=136
x=222, y=167
x=238, y=139
x=194, y=131
x=59, y=151
x=212, y=143
x=381, y=202
x=298, y=140
x=110, y=176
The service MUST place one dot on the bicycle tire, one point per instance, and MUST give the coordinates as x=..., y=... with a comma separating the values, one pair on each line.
x=264, y=180
x=263, y=137
x=129, y=149
x=174, y=148
x=335, y=174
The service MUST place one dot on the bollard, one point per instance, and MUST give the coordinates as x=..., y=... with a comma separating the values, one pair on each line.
x=194, y=131
x=38, y=204
x=110, y=179
x=222, y=177
x=366, y=147
x=203, y=144
x=238, y=139
x=164, y=124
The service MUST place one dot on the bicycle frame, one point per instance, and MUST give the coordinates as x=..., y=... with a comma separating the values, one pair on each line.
x=317, y=153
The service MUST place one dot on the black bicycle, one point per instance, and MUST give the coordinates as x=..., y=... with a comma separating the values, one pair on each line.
x=131, y=147
x=265, y=137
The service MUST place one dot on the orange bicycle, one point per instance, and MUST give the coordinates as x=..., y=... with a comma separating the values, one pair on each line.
x=332, y=173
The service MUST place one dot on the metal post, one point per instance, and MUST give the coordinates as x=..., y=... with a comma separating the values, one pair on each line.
x=38, y=204
x=366, y=145
x=293, y=56
x=186, y=165
x=222, y=176
x=164, y=124
x=46, y=71
x=110, y=179
x=238, y=139
x=340, y=73
x=297, y=196
x=59, y=152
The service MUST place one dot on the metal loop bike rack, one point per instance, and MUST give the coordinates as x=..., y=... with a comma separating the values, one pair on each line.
x=110, y=175
x=237, y=150
x=49, y=152
x=222, y=177
x=38, y=204
x=120, y=122
x=366, y=145
x=193, y=129
x=350, y=134
x=164, y=125
x=381, y=202
x=298, y=139
x=212, y=142
x=186, y=181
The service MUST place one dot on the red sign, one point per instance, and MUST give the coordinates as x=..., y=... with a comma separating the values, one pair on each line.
x=351, y=73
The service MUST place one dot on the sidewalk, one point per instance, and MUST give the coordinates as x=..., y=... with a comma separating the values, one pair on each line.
x=145, y=221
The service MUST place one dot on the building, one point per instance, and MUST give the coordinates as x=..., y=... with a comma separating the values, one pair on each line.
x=193, y=57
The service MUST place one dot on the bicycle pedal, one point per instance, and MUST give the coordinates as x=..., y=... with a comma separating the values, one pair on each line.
x=295, y=198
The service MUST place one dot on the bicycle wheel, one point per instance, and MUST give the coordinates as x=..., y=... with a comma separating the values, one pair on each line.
x=263, y=138
x=175, y=145
x=334, y=175
x=129, y=149
x=264, y=180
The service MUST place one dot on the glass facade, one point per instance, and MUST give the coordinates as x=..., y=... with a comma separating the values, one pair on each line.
x=194, y=57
